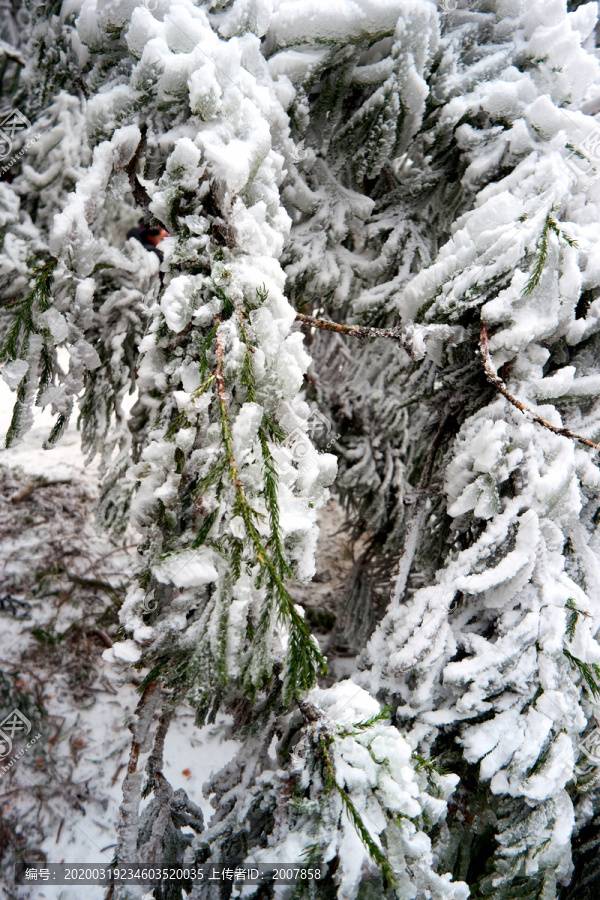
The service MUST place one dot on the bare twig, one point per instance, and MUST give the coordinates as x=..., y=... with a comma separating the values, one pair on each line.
x=102, y=635
x=155, y=760
x=37, y=484
x=411, y=337
x=80, y=579
x=359, y=331
x=494, y=378
x=140, y=194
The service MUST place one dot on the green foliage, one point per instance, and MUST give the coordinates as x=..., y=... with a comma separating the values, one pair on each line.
x=331, y=783
x=382, y=716
x=550, y=224
x=38, y=300
x=572, y=620
x=590, y=673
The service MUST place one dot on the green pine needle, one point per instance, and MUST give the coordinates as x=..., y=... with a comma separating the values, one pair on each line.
x=589, y=671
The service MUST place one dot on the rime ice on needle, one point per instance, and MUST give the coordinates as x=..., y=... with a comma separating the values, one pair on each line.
x=444, y=184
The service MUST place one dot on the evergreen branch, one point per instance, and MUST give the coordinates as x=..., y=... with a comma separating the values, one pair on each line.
x=424, y=764
x=590, y=673
x=247, y=378
x=572, y=623
x=58, y=428
x=270, y=471
x=542, y=256
x=204, y=529
x=152, y=676
x=222, y=401
x=271, y=482
x=375, y=852
x=540, y=262
x=203, y=387
x=494, y=378
x=210, y=478
x=132, y=786
x=154, y=763
x=39, y=296
x=14, y=427
x=305, y=658
x=228, y=305
x=417, y=520
x=357, y=727
x=204, y=345
x=47, y=364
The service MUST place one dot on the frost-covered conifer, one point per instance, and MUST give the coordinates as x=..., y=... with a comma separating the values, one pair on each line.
x=487, y=648
x=175, y=111
x=387, y=165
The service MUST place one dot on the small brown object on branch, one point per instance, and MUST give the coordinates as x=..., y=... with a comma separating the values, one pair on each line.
x=494, y=378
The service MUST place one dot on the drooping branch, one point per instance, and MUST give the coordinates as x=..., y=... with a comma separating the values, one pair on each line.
x=132, y=786
x=306, y=660
x=494, y=378
x=415, y=525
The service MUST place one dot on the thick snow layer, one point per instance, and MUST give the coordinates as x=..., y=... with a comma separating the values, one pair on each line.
x=188, y=569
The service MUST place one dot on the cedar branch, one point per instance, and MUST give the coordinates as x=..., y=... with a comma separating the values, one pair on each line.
x=494, y=378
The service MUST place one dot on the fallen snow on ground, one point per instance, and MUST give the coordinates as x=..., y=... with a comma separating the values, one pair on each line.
x=63, y=461
x=60, y=800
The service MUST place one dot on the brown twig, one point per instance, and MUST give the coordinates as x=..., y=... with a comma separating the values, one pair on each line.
x=494, y=378
x=102, y=635
x=92, y=567
x=140, y=194
x=154, y=764
x=359, y=331
x=38, y=484
x=137, y=742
